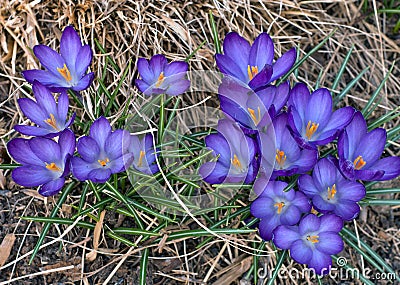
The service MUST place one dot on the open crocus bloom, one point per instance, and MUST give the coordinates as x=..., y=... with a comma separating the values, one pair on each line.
x=103, y=152
x=311, y=118
x=144, y=154
x=253, y=64
x=160, y=77
x=235, y=153
x=66, y=70
x=276, y=207
x=331, y=192
x=313, y=241
x=45, y=163
x=51, y=117
x=360, y=151
x=290, y=159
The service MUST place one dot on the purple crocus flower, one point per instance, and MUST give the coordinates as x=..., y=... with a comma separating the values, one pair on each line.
x=235, y=153
x=290, y=159
x=103, y=152
x=331, y=192
x=160, y=77
x=253, y=64
x=248, y=108
x=359, y=152
x=311, y=118
x=276, y=207
x=45, y=163
x=313, y=241
x=144, y=154
x=50, y=117
x=66, y=70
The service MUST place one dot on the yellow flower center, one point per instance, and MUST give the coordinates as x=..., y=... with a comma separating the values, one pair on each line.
x=311, y=129
x=52, y=122
x=236, y=162
x=331, y=192
x=359, y=163
x=103, y=162
x=64, y=71
x=279, y=206
x=252, y=71
x=256, y=118
x=313, y=239
x=142, y=153
x=160, y=79
x=280, y=158
x=52, y=166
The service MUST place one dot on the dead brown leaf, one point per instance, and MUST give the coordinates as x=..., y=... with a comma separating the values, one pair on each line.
x=91, y=256
x=5, y=248
x=234, y=271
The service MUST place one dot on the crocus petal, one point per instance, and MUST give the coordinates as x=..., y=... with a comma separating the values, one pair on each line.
x=375, y=138
x=31, y=176
x=228, y=66
x=262, y=51
x=368, y=174
x=175, y=68
x=45, y=77
x=121, y=163
x=307, y=186
x=307, y=160
x=100, y=175
x=284, y=64
x=390, y=165
x=347, y=210
x=321, y=205
x=80, y=168
x=33, y=111
x=100, y=130
x=44, y=98
x=329, y=243
x=321, y=262
x=266, y=227
x=237, y=48
x=281, y=96
x=355, y=131
x=331, y=223
x=143, y=87
x=352, y=191
x=220, y=147
x=298, y=98
x=339, y=119
x=83, y=61
x=84, y=82
x=158, y=63
x=31, y=130
x=145, y=72
x=235, y=111
x=51, y=188
x=62, y=106
x=70, y=45
x=291, y=216
x=49, y=58
x=89, y=149
x=319, y=108
x=21, y=152
x=324, y=173
x=213, y=172
x=67, y=143
x=262, y=77
x=309, y=223
x=262, y=207
x=285, y=236
x=178, y=87
x=117, y=144
x=45, y=149
x=301, y=252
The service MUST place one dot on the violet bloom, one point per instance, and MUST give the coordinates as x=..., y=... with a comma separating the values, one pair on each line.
x=45, y=163
x=313, y=241
x=160, y=77
x=359, y=152
x=331, y=192
x=51, y=117
x=235, y=153
x=103, y=152
x=248, y=108
x=66, y=70
x=290, y=159
x=311, y=118
x=276, y=207
x=144, y=154
x=253, y=64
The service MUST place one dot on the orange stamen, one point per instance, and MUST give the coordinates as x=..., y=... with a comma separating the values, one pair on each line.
x=253, y=115
x=64, y=71
x=280, y=206
x=142, y=153
x=359, y=163
x=52, y=166
x=311, y=129
x=280, y=158
x=52, y=122
x=160, y=79
x=313, y=239
x=332, y=191
x=103, y=162
x=252, y=71
x=236, y=162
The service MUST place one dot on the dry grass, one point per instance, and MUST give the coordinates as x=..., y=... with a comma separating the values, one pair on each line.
x=132, y=29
